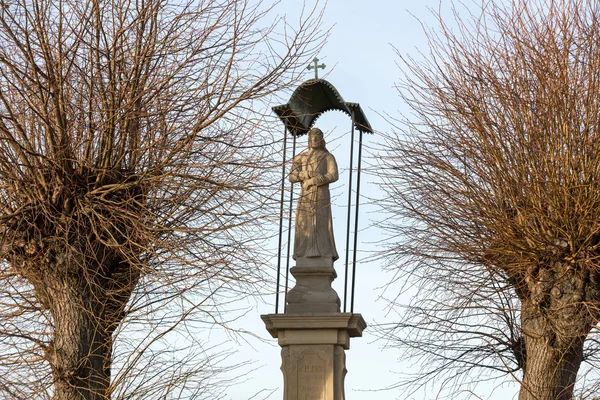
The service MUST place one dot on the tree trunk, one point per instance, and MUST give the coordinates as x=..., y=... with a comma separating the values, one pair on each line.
x=80, y=354
x=555, y=320
x=87, y=303
x=551, y=370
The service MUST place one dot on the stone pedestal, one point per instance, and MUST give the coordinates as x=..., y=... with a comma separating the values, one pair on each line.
x=313, y=333
x=313, y=292
x=313, y=351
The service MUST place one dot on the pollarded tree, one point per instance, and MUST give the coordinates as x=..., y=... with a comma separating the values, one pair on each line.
x=132, y=169
x=495, y=188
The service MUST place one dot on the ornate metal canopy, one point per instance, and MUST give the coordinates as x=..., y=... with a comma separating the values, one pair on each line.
x=311, y=99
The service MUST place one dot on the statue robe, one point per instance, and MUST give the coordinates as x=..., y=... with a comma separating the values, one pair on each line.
x=314, y=225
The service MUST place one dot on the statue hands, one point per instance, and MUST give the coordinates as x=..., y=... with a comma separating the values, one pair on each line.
x=304, y=175
x=306, y=184
x=308, y=179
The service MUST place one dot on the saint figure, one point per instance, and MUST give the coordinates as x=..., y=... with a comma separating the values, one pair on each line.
x=314, y=169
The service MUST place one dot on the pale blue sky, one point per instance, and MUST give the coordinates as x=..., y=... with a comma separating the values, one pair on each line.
x=361, y=63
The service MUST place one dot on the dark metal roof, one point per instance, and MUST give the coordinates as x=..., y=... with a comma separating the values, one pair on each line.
x=311, y=99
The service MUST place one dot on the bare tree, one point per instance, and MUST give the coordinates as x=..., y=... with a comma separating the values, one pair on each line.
x=133, y=170
x=495, y=194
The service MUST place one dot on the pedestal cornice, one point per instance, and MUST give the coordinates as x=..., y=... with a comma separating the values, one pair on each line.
x=334, y=328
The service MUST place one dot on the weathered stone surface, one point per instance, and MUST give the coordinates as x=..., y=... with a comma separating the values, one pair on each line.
x=308, y=372
x=313, y=292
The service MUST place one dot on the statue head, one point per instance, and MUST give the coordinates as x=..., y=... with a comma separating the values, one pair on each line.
x=315, y=139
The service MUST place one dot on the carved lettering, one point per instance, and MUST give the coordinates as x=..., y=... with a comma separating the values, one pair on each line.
x=311, y=377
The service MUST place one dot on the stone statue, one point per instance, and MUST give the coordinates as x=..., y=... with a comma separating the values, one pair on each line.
x=315, y=169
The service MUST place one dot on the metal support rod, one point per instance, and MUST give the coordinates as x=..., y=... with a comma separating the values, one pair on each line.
x=289, y=238
x=348, y=216
x=281, y=218
x=356, y=219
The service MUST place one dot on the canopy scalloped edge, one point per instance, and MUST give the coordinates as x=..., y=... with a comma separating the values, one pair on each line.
x=311, y=99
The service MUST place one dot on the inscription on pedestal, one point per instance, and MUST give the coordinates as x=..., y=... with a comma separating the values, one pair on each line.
x=311, y=377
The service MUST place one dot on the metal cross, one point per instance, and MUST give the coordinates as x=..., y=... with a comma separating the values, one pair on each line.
x=316, y=67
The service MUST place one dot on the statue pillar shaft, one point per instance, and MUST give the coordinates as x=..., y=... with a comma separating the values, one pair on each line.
x=313, y=352
x=313, y=372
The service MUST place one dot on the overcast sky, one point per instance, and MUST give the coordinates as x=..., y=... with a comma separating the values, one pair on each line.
x=362, y=65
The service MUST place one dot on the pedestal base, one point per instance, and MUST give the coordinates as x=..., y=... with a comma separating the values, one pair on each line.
x=313, y=292
x=313, y=352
